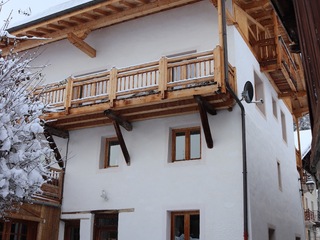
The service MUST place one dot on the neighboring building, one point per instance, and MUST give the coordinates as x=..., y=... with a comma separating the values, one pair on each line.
x=155, y=68
x=309, y=194
x=38, y=219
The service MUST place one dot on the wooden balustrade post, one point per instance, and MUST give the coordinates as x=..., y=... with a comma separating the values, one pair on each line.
x=276, y=39
x=219, y=68
x=68, y=94
x=163, y=76
x=112, y=91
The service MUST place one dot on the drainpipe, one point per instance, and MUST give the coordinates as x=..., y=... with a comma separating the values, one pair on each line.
x=243, y=123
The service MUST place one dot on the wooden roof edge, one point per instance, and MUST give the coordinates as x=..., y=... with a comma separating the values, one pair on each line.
x=55, y=15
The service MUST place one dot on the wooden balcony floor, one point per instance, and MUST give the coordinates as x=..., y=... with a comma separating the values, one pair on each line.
x=137, y=108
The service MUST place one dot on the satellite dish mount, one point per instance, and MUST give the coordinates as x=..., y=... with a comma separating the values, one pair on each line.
x=247, y=93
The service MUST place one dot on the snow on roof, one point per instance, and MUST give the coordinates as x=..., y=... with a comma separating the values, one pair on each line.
x=305, y=141
x=50, y=11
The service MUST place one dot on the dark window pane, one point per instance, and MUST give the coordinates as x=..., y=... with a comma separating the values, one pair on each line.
x=23, y=229
x=194, y=226
x=109, y=221
x=14, y=228
x=75, y=233
x=178, y=225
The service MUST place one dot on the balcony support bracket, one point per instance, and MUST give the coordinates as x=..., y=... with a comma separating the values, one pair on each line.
x=117, y=122
x=53, y=146
x=57, y=132
x=123, y=123
x=205, y=107
x=82, y=45
x=122, y=142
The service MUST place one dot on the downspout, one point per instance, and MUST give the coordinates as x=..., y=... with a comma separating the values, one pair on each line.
x=243, y=123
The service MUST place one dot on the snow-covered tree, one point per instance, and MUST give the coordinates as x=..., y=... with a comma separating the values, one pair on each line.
x=22, y=150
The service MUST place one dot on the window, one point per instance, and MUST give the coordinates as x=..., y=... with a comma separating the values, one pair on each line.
x=185, y=225
x=186, y=144
x=279, y=176
x=274, y=108
x=72, y=230
x=259, y=93
x=271, y=234
x=283, y=126
x=18, y=230
x=111, y=153
x=106, y=227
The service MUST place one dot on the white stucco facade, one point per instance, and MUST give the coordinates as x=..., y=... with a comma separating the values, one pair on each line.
x=150, y=188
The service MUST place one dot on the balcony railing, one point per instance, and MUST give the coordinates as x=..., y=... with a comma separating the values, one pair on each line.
x=167, y=80
x=52, y=189
x=309, y=215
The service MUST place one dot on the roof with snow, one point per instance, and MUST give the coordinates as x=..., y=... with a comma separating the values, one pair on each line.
x=305, y=142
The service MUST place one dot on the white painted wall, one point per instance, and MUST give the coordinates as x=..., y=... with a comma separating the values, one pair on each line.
x=269, y=206
x=152, y=186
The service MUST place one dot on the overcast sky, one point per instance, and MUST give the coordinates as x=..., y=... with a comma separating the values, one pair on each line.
x=36, y=6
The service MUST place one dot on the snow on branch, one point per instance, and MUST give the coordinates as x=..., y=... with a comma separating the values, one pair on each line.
x=24, y=153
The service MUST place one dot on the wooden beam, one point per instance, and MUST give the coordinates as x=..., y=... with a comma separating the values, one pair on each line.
x=54, y=147
x=122, y=143
x=57, y=132
x=83, y=46
x=292, y=94
x=208, y=107
x=204, y=121
x=125, y=124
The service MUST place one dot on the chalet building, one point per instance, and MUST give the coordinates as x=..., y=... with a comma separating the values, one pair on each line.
x=173, y=130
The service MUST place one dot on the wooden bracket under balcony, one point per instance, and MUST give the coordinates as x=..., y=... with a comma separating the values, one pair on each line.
x=122, y=142
x=123, y=123
x=205, y=107
x=82, y=45
x=54, y=147
x=117, y=120
x=57, y=132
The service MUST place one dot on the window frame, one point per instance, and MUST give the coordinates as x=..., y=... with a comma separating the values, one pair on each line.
x=186, y=215
x=7, y=226
x=105, y=160
x=187, y=149
x=279, y=174
x=259, y=93
x=274, y=108
x=283, y=126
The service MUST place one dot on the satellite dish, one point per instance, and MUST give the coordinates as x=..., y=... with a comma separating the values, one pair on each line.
x=247, y=93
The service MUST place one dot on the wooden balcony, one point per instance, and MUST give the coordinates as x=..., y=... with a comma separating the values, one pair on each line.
x=309, y=216
x=264, y=34
x=52, y=189
x=157, y=89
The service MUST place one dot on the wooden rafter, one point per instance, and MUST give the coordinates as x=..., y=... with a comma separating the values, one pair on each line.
x=82, y=45
x=203, y=109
